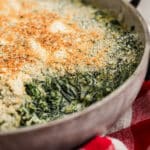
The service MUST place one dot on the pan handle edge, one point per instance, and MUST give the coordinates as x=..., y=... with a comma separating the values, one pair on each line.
x=135, y=3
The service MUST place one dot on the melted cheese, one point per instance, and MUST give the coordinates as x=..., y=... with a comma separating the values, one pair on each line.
x=58, y=26
x=17, y=86
x=60, y=54
x=38, y=50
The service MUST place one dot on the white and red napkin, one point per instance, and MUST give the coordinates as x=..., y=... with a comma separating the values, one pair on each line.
x=136, y=136
x=104, y=143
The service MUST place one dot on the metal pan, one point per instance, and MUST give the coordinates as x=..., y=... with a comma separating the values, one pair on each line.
x=75, y=129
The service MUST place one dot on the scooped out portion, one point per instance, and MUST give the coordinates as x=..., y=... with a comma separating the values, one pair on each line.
x=58, y=57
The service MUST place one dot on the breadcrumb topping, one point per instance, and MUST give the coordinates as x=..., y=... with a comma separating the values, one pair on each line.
x=51, y=34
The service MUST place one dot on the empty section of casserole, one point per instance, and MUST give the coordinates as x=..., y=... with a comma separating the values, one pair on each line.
x=58, y=57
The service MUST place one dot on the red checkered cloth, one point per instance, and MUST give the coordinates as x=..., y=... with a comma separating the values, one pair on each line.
x=137, y=135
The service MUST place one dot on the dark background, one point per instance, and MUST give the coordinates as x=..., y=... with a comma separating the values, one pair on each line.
x=148, y=73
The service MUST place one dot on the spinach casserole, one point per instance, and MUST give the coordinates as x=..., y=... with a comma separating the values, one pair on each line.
x=58, y=57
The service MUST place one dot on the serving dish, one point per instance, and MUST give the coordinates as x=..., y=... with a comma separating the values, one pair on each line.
x=75, y=129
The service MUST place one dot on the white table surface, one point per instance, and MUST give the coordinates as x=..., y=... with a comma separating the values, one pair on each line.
x=144, y=9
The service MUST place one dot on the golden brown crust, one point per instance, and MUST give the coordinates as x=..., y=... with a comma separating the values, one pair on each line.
x=67, y=47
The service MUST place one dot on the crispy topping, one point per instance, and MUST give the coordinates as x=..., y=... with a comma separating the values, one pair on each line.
x=46, y=37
